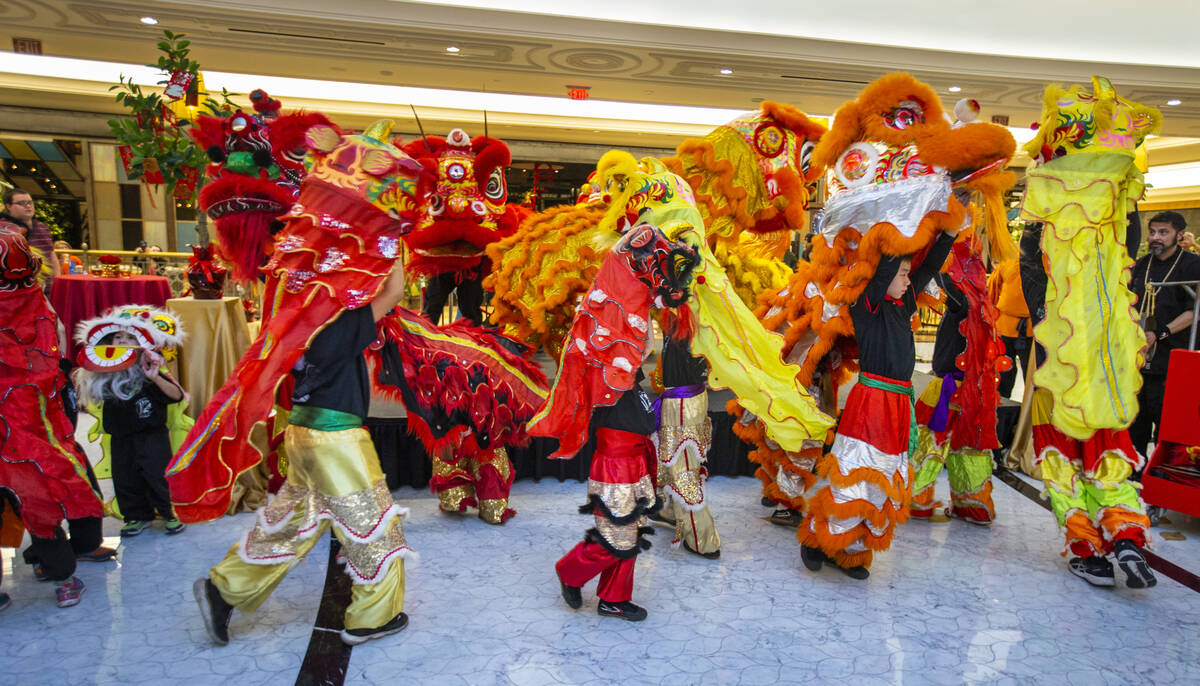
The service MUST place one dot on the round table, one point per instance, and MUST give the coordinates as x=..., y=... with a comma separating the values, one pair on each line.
x=77, y=297
x=217, y=336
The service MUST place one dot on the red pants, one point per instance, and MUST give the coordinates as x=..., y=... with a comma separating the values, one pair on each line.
x=586, y=560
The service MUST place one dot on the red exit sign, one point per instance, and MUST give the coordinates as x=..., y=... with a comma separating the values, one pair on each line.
x=578, y=92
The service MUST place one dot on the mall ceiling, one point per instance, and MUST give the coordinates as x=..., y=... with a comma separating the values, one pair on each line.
x=505, y=51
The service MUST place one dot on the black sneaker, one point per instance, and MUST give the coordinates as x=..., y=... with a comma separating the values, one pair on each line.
x=1133, y=563
x=214, y=610
x=623, y=610
x=353, y=637
x=1096, y=570
x=5, y=601
x=859, y=572
x=812, y=558
x=714, y=555
x=572, y=595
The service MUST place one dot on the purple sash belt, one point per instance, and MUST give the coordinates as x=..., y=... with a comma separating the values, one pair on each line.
x=676, y=392
x=941, y=412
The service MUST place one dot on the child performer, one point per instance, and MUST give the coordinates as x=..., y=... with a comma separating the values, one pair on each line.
x=863, y=484
x=123, y=371
x=597, y=392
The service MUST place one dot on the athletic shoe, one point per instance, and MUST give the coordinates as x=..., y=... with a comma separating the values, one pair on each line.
x=5, y=601
x=39, y=573
x=100, y=554
x=1096, y=570
x=623, y=610
x=174, y=526
x=812, y=558
x=133, y=527
x=572, y=595
x=353, y=637
x=785, y=517
x=974, y=515
x=214, y=610
x=714, y=555
x=70, y=592
x=1133, y=563
x=859, y=572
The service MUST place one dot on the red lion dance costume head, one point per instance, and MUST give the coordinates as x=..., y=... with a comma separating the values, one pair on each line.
x=337, y=245
x=463, y=208
x=257, y=166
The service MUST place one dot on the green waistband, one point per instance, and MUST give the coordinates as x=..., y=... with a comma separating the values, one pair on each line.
x=902, y=389
x=323, y=419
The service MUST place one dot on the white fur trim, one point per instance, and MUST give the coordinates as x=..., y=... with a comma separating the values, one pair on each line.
x=405, y=553
x=672, y=494
x=687, y=445
x=622, y=364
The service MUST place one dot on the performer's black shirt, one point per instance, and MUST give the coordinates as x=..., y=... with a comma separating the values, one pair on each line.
x=332, y=373
x=145, y=412
x=680, y=367
x=1170, y=302
x=883, y=327
x=633, y=412
x=950, y=343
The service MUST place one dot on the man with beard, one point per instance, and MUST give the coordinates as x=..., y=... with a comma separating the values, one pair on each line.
x=1166, y=315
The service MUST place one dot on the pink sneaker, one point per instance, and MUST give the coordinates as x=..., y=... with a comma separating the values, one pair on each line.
x=70, y=592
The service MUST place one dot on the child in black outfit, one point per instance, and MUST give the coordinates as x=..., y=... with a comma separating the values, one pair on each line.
x=123, y=372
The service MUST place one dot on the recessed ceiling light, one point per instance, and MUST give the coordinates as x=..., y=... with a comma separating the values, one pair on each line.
x=149, y=21
x=451, y=48
x=1174, y=102
x=954, y=89
x=726, y=71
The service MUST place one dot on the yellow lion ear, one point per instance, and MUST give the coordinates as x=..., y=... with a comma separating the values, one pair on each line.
x=377, y=162
x=322, y=137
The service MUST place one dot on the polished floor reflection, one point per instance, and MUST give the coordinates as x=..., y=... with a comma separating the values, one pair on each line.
x=951, y=603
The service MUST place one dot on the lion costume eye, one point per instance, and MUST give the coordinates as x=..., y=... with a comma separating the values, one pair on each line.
x=497, y=189
x=806, y=155
x=904, y=115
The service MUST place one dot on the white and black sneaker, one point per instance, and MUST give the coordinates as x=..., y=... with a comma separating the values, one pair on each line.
x=623, y=610
x=214, y=610
x=1133, y=564
x=1095, y=570
x=353, y=637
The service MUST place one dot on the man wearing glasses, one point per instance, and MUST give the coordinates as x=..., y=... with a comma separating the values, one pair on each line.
x=17, y=217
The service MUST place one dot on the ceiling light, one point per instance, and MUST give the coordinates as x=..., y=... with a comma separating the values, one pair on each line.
x=451, y=48
x=149, y=21
x=954, y=89
x=727, y=71
x=1174, y=102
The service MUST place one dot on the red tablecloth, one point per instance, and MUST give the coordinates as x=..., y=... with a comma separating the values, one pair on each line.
x=77, y=297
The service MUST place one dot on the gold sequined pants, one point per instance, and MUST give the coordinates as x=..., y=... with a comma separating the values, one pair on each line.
x=464, y=476
x=333, y=479
x=684, y=438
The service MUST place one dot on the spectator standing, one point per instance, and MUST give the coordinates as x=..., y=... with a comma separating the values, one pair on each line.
x=1166, y=315
x=18, y=217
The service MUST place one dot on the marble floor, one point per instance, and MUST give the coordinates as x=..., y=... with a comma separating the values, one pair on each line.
x=951, y=603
